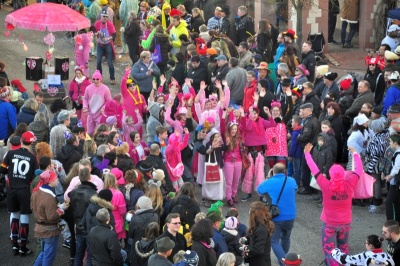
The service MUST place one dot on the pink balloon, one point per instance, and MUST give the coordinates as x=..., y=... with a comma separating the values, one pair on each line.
x=49, y=39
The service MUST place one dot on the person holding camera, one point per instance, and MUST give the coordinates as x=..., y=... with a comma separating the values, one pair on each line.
x=284, y=222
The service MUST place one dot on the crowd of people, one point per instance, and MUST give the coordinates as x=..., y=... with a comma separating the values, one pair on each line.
x=207, y=102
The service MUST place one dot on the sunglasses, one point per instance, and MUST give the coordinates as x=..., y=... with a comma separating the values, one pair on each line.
x=96, y=79
x=372, y=65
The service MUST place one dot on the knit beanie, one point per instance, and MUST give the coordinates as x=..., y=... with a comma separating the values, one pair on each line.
x=105, y=194
x=97, y=75
x=144, y=203
x=231, y=223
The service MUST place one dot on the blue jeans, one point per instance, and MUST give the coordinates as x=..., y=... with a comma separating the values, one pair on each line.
x=48, y=251
x=280, y=240
x=82, y=244
x=296, y=170
x=353, y=27
x=106, y=50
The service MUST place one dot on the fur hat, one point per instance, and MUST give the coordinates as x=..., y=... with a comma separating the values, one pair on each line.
x=231, y=222
x=144, y=203
x=158, y=175
x=323, y=69
x=105, y=194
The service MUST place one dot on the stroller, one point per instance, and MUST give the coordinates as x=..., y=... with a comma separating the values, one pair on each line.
x=318, y=42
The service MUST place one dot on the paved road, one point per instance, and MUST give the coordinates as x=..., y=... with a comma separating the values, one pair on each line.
x=306, y=234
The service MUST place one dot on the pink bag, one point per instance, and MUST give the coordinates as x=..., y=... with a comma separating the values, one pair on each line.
x=365, y=187
x=177, y=171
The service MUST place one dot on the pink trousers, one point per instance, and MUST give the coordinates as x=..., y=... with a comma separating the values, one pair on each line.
x=254, y=174
x=232, y=173
x=92, y=122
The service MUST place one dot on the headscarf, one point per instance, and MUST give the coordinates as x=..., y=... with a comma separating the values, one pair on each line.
x=45, y=178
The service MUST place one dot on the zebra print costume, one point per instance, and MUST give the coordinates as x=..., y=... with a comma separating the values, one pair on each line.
x=367, y=258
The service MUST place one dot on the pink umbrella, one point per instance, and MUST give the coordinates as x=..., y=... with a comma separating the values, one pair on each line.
x=47, y=16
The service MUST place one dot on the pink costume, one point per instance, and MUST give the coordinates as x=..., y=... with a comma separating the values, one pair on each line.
x=82, y=50
x=255, y=139
x=94, y=100
x=132, y=100
x=128, y=128
x=175, y=124
x=77, y=88
x=118, y=201
x=276, y=142
x=232, y=170
x=112, y=108
x=76, y=182
x=133, y=153
x=173, y=156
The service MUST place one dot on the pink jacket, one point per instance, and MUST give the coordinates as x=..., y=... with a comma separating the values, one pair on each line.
x=134, y=155
x=276, y=140
x=254, y=132
x=84, y=53
x=118, y=201
x=127, y=129
x=76, y=182
x=75, y=91
x=95, y=98
x=129, y=103
x=173, y=152
x=337, y=204
x=112, y=108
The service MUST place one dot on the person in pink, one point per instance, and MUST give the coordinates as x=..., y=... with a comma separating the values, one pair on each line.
x=232, y=162
x=277, y=150
x=82, y=49
x=119, y=204
x=175, y=166
x=255, y=140
x=129, y=125
x=96, y=96
x=337, y=194
x=138, y=150
x=114, y=108
x=77, y=88
x=132, y=98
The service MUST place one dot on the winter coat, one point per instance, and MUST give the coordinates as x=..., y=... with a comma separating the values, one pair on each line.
x=359, y=140
x=79, y=201
x=332, y=89
x=276, y=140
x=138, y=72
x=296, y=150
x=8, y=118
x=132, y=32
x=158, y=260
x=41, y=132
x=196, y=23
x=310, y=130
x=365, y=97
x=68, y=156
x=259, y=249
x=104, y=246
x=249, y=90
x=350, y=11
x=44, y=208
x=89, y=219
x=244, y=28
x=315, y=101
x=264, y=46
x=337, y=127
x=135, y=194
x=25, y=115
x=125, y=163
x=191, y=205
x=375, y=151
x=174, y=34
x=76, y=90
x=232, y=241
x=299, y=80
x=134, y=154
x=153, y=122
x=220, y=246
x=377, y=83
x=179, y=240
x=392, y=96
x=179, y=73
x=319, y=86
x=308, y=60
x=198, y=75
x=138, y=225
x=159, y=164
x=323, y=156
x=144, y=249
x=119, y=211
x=161, y=39
x=346, y=100
x=236, y=79
x=254, y=131
x=222, y=72
x=206, y=253
x=245, y=59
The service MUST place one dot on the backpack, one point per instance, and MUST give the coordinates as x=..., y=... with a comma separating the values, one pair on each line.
x=385, y=163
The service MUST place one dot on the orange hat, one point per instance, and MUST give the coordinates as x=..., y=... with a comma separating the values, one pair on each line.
x=211, y=51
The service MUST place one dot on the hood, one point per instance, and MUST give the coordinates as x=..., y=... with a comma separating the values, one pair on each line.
x=28, y=111
x=37, y=126
x=162, y=37
x=145, y=248
x=110, y=107
x=229, y=235
x=66, y=152
x=325, y=136
x=101, y=202
x=181, y=25
x=155, y=110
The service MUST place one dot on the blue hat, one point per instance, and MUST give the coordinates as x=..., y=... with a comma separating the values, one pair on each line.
x=221, y=57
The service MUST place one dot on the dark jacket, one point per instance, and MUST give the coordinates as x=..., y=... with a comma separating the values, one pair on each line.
x=346, y=100
x=89, y=220
x=310, y=130
x=80, y=200
x=25, y=116
x=264, y=46
x=314, y=100
x=191, y=206
x=259, y=247
x=138, y=225
x=198, y=75
x=180, y=242
x=68, y=156
x=319, y=86
x=207, y=6
x=232, y=241
x=159, y=164
x=337, y=127
x=323, y=156
x=104, y=246
x=378, y=85
x=244, y=28
x=295, y=150
x=365, y=97
x=219, y=243
x=165, y=47
x=207, y=256
x=308, y=60
x=143, y=249
x=41, y=132
x=196, y=23
x=158, y=260
x=221, y=72
x=132, y=32
x=125, y=163
x=179, y=73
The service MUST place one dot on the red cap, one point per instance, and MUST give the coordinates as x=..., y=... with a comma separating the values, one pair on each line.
x=28, y=137
x=174, y=12
x=345, y=84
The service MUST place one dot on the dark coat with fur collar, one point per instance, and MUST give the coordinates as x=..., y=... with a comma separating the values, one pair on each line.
x=89, y=219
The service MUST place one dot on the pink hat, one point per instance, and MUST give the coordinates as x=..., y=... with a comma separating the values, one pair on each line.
x=210, y=119
x=97, y=75
x=303, y=69
x=336, y=173
x=119, y=175
x=181, y=111
x=231, y=222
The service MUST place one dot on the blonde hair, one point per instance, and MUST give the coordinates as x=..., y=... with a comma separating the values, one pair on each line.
x=73, y=171
x=39, y=116
x=123, y=149
x=88, y=146
x=31, y=104
x=198, y=11
x=154, y=193
x=144, y=54
x=199, y=216
x=110, y=181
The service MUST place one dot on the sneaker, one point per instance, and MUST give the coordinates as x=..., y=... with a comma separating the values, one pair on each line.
x=235, y=200
x=16, y=251
x=25, y=251
x=246, y=198
x=66, y=244
x=230, y=203
x=346, y=45
x=113, y=82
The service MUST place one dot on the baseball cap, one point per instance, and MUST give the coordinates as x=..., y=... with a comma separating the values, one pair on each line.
x=28, y=137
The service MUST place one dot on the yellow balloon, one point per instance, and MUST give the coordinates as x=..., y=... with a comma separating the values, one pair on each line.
x=25, y=48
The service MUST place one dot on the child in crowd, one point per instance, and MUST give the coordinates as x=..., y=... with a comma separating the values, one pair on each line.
x=241, y=228
x=129, y=125
x=296, y=150
x=162, y=140
x=138, y=149
x=332, y=143
x=231, y=237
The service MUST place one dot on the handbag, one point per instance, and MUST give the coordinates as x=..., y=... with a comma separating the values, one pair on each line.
x=212, y=171
x=273, y=208
x=313, y=183
x=176, y=171
x=365, y=187
x=156, y=55
x=245, y=159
